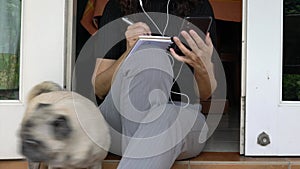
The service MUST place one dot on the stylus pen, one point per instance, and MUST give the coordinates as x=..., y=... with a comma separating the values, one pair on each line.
x=128, y=21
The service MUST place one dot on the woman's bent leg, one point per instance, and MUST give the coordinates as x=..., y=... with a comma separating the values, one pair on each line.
x=154, y=133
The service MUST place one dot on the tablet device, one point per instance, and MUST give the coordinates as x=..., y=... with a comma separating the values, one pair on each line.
x=203, y=23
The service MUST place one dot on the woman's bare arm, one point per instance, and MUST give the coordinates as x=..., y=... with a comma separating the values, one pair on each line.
x=106, y=68
x=104, y=73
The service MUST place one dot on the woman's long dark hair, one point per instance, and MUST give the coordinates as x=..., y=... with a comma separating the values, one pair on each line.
x=180, y=7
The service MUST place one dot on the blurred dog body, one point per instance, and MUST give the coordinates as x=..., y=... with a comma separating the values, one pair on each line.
x=63, y=129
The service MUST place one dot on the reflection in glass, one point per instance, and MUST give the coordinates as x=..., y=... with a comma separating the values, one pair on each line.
x=291, y=51
x=10, y=19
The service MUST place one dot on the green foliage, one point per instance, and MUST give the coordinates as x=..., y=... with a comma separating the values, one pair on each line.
x=9, y=76
x=291, y=7
x=10, y=19
x=291, y=87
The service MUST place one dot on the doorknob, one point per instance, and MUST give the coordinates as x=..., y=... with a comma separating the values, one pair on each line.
x=263, y=139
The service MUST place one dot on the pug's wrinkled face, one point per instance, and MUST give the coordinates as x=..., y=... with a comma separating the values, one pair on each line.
x=45, y=133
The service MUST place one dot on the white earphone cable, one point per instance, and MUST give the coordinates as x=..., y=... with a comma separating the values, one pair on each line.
x=163, y=33
x=167, y=22
x=182, y=94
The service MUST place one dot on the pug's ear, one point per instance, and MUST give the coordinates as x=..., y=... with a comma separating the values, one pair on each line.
x=61, y=127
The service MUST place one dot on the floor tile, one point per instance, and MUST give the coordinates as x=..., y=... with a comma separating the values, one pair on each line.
x=180, y=166
x=295, y=166
x=265, y=159
x=236, y=157
x=294, y=160
x=238, y=166
x=109, y=165
x=217, y=156
x=20, y=164
x=114, y=165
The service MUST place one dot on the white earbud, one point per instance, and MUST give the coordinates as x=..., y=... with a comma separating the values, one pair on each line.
x=141, y=3
x=167, y=22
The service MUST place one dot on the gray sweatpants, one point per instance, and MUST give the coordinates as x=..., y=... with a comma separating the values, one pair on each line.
x=147, y=130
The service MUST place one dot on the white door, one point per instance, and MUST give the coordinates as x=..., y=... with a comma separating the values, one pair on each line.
x=272, y=122
x=42, y=54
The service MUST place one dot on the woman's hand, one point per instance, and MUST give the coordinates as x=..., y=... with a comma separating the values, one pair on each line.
x=200, y=56
x=200, y=59
x=134, y=31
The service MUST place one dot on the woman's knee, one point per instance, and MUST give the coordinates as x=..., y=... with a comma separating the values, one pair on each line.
x=149, y=58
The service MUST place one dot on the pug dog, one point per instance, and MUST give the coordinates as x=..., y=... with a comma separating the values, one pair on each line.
x=62, y=129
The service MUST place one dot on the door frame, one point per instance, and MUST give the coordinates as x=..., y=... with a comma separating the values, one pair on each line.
x=243, y=77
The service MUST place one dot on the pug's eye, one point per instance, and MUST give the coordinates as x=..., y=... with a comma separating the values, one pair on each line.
x=59, y=122
x=61, y=128
x=28, y=124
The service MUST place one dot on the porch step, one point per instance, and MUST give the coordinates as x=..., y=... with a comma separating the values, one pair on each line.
x=209, y=160
x=224, y=160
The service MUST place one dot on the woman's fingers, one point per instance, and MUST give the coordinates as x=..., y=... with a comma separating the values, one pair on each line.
x=208, y=40
x=134, y=31
x=188, y=57
x=201, y=52
x=198, y=40
x=187, y=52
x=174, y=54
x=138, y=28
x=191, y=42
x=204, y=47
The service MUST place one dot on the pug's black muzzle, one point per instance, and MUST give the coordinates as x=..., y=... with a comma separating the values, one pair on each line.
x=33, y=149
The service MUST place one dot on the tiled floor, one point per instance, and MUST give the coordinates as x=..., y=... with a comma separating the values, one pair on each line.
x=226, y=137
x=209, y=160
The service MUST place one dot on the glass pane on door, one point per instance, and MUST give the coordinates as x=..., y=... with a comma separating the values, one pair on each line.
x=10, y=19
x=291, y=51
